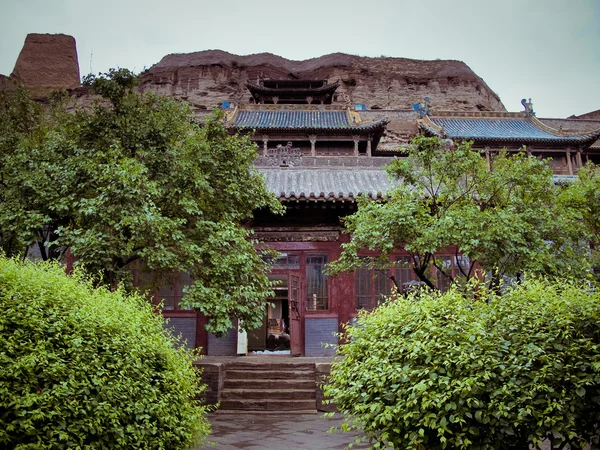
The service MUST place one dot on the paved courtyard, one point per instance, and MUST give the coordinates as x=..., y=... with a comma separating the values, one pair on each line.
x=261, y=431
x=268, y=431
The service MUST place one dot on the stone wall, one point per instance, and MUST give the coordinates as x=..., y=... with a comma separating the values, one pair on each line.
x=318, y=335
x=322, y=371
x=185, y=329
x=223, y=346
x=212, y=375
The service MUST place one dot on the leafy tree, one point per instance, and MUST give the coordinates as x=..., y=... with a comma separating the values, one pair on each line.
x=581, y=201
x=82, y=367
x=446, y=371
x=136, y=178
x=503, y=216
x=30, y=181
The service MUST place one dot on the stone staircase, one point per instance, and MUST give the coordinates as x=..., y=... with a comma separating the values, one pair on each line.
x=261, y=386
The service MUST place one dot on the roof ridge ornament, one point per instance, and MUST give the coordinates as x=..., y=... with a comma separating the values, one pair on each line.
x=429, y=124
x=423, y=108
x=230, y=115
x=529, y=112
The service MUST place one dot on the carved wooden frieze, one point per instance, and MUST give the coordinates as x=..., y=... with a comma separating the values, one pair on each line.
x=283, y=156
x=298, y=236
x=328, y=161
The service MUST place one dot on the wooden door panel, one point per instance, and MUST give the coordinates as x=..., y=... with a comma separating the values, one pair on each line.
x=296, y=315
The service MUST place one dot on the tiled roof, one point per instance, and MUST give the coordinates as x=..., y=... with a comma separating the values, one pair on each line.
x=520, y=131
x=580, y=126
x=291, y=119
x=301, y=120
x=291, y=88
x=293, y=82
x=335, y=184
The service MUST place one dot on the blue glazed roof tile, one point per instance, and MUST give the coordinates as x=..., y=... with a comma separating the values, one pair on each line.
x=520, y=131
x=292, y=119
x=300, y=120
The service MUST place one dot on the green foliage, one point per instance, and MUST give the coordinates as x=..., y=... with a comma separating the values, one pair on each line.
x=581, y=200
x=88, y=368
x=30, y=166
x=135, y=177
x=114, y=85
x=504, y=216
x=446, y=371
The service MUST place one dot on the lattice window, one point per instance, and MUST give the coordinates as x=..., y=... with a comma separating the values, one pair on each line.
x=316, y=283
x=167, y=294
x=167, y=289
x=363, y=286
x=383, y=286
x=171, y=292
x=464, y=263
x=404, y=272
x=287, y=261
x=371, y=287
x=443, y=281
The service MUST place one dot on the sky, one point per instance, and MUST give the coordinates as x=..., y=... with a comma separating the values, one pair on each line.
x=546, y=50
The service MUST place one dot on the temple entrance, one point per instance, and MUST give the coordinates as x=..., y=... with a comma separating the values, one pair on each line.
x=274, y=335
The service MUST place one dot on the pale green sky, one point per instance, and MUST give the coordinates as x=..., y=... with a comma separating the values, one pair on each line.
x=548, y=50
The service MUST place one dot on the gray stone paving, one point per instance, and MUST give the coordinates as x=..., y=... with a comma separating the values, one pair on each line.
x=254, y=431
x=268, y=431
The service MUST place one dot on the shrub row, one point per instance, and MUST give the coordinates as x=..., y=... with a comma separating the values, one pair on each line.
x=446, y=371
x=88, y=368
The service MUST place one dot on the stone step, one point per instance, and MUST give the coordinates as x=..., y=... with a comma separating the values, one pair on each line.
x=271, y=386
x=268, y=405
x=246, y=383
x=271, y=394
x=240, y=374
x=270, y=366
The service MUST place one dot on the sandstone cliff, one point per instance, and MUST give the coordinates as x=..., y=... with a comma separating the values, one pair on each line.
x=210, y=77
x=49, y=61
x=46, y=63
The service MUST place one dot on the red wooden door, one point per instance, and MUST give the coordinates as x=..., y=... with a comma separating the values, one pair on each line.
x=296, y=316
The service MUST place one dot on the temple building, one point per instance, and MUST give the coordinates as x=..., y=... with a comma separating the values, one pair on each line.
x=266, y=91
x=324, y=131
x=566, y=151
x=318, y=154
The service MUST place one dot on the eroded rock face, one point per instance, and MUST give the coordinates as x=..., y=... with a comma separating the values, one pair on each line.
x=4, y=82
x=46, y=63
x=207, y=78
x=594, y=115
x=210, y=77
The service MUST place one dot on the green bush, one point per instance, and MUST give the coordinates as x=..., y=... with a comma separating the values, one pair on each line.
x=88, y=368
x=445, y=371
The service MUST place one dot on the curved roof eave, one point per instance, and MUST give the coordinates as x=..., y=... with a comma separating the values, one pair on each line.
x=544, y=134
x=377, y=126
x=328, y=88
x=327, y=186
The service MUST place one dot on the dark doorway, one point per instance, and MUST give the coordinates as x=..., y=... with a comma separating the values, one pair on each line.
x=274, y=334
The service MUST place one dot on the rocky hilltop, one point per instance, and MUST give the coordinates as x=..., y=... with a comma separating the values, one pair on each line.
x=210, y=77
x=47, y=62
x=207, y=78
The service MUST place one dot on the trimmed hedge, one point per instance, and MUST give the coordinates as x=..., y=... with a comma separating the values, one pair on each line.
x=445, y=371
x=88, y=368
